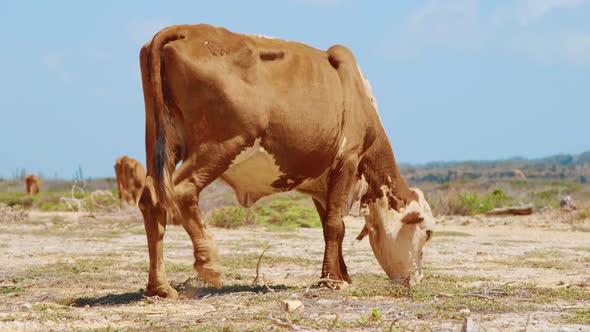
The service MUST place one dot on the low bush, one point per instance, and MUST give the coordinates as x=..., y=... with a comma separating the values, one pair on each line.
x=472, y=203
x=282, y=212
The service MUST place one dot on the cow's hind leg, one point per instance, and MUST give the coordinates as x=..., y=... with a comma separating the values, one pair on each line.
x=191, y=177
x=155, y=225
x=206, y=255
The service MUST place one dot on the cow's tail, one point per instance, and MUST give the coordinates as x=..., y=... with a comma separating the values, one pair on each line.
x=162, y=163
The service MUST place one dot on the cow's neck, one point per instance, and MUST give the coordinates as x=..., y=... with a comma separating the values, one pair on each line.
x=382, y=175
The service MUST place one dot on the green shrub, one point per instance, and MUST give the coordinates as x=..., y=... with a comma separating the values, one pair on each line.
x=288, y=212
x=472, y=203
x=232, y=217
x=548, y=197
x=280, y=212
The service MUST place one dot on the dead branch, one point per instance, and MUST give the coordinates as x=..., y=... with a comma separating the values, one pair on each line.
x=396, y=319
x=73, y=203
x=283, y=324
x=260, y=260
x=512, y=211
x=287, y=322
x=337, y=315
x=528, y=320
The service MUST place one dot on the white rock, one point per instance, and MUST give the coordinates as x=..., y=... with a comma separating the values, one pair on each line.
x=291, y=306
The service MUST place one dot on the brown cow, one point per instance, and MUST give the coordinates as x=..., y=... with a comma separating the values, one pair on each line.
x=267, y=115
x=33, y=184
x=130, y=179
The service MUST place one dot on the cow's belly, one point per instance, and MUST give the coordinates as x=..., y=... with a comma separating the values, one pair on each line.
x=251, y=175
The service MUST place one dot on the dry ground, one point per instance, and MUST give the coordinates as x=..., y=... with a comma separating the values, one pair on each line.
x=68, y=271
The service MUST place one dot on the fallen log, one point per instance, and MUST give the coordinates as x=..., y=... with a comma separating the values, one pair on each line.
x=511, y=211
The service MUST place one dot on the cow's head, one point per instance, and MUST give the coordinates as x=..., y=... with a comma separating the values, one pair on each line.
x=397, y=238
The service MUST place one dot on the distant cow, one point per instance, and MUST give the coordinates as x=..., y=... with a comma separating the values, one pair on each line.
x=267, y=115
x=130, y=179
x=567, y=203
x=33, y=184
x=519, y=174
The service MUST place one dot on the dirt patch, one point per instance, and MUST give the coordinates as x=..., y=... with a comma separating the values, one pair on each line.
x=74, y=271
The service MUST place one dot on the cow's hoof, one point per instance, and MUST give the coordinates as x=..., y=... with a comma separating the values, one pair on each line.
x=347, y=278
x=162, y=291
x=336, y=285
x=211, y=273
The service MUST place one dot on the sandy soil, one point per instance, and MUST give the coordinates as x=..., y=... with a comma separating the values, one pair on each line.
x=68, y=271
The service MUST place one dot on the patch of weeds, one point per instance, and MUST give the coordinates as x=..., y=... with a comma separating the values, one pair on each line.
x=376, y=314
x=11, y=290
x=249, y=261
x=370, y=285
x=535, y=263
x=578, y=316
x=49, y=312
x=99, y=269
x=450, y=308
x=536, y=294
x=451, y=233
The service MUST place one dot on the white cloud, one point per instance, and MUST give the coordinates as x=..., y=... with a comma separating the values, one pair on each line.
x=438, y=23
x=55, y=64
x=463, y=26
x=142, y=32
x=528, y=11
x=553, y=48
x=451, y=24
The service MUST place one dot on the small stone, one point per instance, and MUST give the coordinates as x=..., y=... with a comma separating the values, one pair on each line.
x=26, y=306
x=290, y=306
x=465, y=311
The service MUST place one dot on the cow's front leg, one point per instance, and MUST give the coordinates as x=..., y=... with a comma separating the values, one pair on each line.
x=207, y=262
x=343, y=271
x=340, y=182
x=154, y=218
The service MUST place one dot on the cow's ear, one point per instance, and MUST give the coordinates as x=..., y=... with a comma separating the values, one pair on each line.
x=363, y=233
x=412, y=218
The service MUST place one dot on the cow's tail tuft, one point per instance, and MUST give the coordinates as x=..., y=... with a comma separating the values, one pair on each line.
x=162, y=164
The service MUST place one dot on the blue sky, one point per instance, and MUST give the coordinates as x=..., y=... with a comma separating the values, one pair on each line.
x=454, y=80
